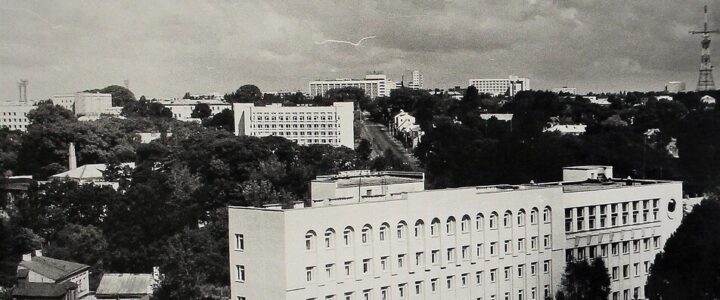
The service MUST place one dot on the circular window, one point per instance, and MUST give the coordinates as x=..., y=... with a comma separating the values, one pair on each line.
x=671, y=205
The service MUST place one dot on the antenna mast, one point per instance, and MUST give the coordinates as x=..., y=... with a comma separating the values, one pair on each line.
x=705, y=79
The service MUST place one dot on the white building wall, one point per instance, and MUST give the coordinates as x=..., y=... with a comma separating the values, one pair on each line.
x=374, y=85
x=92, y=104
x=14, y=116
x=67, y=101
x=332, y=125
x=513, y=84
x=537, y=240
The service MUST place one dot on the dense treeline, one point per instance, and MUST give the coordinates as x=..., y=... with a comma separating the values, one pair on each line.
x=461, y=149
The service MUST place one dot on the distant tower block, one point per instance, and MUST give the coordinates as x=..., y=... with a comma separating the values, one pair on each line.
x=127, y=83
x=22, y=87
x=705, y=80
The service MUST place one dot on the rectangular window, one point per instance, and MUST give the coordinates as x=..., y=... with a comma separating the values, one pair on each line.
x=434, y=257
x=636, y=267
x=603, y=250
x=533, y=243
x=521, y=245
x=384, y=263
x=433, y=285
x=309, y=274
x=478, y=277
x=451, y=255
x=533, y=268
x=449, y=280
x=401, y=261
x=479, y=250
x=240, y=273
x=507, y=246
x=348, y=269
x=239, y=242
x=626, y=247
x=367, y=264
x=330, y=271
x=506, y=273
x=521, y=270
x=615, y=273
x=626, y=271
x=493, y=274
x=546, y=266
x=465, y=252
x=547, y=241
x=492, y=248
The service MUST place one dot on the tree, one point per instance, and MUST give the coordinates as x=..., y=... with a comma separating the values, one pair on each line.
x=364, y=149
x=10, y=142
x=201, y=111
x=688, y=266
x=187, y=96
x=586, y=281
x=222, y=120
x=145, y=109
x=245, y=94
x=83, y=244
x=120, y=95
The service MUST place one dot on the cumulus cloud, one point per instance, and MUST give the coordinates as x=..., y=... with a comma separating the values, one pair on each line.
x=167, y=47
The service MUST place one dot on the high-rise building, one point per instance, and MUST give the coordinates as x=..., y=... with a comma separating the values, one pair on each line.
x=675, y=87
x=511, y=85
x=332, y=125
x=417, y=81
x=375, y=85
x=369, y=235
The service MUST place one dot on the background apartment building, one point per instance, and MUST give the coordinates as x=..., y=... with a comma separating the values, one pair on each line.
x=331, y=125
x=417, y=81
x=386, y=238
x=496, y=87
x=13, y=115
x=374, y=85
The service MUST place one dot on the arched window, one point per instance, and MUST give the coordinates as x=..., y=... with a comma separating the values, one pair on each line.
x=479, y=222
x=671, y=205
x=419, y=229
x=366, y=234
x=450, y=225
x=310, y=237
x=493, y=220
x=384, y=231
x=348, y=234
x=507, y=219
x=329, y=238
x=547, y=215
x=465, y=224
x=434, y=227
x=401, y=230
x=521, y=218
x=533, y=216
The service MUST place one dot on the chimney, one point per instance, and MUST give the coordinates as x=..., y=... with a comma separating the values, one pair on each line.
x=72, y=160
x=27, y=257
x=38, y=253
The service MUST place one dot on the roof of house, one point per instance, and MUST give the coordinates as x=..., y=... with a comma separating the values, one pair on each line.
x=567, y=128
x=87, y=172
x=52, y=268
x=125, y=284
x=499, y=117
x=42, y=289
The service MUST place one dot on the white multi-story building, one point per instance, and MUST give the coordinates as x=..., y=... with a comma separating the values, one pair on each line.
x=675, y=87
x=332, y=125
x=381, y=236
x=86, y=104
x=182, y=108
x=510, y=85
x=374, y=85
x=13, y=115
x=67, y=101
x=417, y=81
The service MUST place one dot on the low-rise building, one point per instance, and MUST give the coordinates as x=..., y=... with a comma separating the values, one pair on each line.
x=488, y=242
x=565, y=90
x=182, y=108
x=331, y=125
x=406, y=130
x=41, y=277
x=499, y=117
x=707, y=99
x=675, y=87
x=122, y=286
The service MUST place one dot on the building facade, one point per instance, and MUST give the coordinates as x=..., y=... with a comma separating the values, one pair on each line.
x=92, y=104
x=565, y=90
x=331, y=125
x=498, y=242
x=417, y=81
x=510, y=85
x=182, y=108
x=14, y=115
x=374, y=85
x=675, y=87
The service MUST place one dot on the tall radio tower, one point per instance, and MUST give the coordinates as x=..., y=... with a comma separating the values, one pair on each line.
x=705, y=81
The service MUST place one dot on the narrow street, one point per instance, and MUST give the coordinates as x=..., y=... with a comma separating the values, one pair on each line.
x=380, y=139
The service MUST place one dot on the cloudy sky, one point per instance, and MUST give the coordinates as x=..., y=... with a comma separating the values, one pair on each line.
x=167, y=47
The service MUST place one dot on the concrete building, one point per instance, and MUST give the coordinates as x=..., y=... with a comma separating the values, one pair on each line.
x=67, y=101
x=496, y=87
x=398, y=241
x=566, y=90
x=675, y=87
x=182, y=108
x=417, y=81
x=406, y=130
x=41, y=277
x=13, y=115
x=331, y=125
x=92, y=104
x=375, y=85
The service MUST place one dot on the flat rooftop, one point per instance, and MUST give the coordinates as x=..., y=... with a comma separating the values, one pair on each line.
x=368, y=178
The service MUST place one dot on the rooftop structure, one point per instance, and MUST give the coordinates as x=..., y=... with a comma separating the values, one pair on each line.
x=125, y=286
x=331, y=125
x=38, y=275
x=489, y=242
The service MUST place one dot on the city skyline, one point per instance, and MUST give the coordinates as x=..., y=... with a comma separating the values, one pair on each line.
x=166, y=48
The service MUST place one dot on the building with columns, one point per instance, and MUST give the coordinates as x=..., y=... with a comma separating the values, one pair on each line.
x=385, y=237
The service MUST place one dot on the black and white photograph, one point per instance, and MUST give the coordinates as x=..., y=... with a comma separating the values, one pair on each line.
x=359, y=150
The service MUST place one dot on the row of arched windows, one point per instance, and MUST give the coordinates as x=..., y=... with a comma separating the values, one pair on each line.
x=401, y=229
